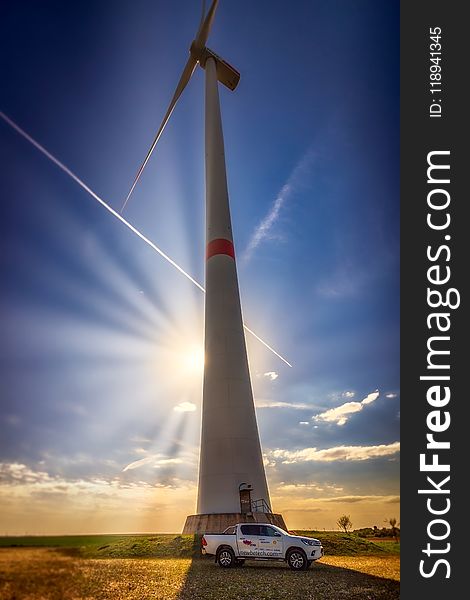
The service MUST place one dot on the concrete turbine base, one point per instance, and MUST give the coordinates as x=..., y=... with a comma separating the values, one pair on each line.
x=217, y=523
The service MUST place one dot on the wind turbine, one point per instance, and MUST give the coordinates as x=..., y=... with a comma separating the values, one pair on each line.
x=232, y=481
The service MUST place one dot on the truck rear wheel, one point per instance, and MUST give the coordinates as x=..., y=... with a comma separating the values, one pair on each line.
x=226, y=557
x=297, y=560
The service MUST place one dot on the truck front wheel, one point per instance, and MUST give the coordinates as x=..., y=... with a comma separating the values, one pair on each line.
x=297, y=560
x=226, y=557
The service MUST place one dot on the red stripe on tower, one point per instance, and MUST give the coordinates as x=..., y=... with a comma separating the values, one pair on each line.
x=220, y=246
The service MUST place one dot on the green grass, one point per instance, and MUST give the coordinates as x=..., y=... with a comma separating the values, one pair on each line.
x=114, y=546
x=336, y=543
x=182, y=546
x=389, y=545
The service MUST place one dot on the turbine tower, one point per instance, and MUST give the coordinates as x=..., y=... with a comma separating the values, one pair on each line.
x=232, y=480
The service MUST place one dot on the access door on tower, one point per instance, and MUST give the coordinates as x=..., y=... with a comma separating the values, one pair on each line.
x=245, y=498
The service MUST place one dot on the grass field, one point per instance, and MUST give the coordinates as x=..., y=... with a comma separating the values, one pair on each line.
x=114, y=546
x=174, y=546
x=140, y=567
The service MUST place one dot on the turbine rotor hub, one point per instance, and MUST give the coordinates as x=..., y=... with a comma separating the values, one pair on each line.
x=196, y=50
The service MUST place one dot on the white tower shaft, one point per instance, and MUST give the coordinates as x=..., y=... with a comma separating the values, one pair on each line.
x=230, y=445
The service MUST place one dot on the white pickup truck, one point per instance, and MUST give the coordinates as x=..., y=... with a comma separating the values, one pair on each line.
x=256, y=541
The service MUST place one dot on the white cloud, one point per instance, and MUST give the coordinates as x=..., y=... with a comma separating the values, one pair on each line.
x=138, y=463
x=304, y=423
x=348, y=394
x=305, y=490
x=371, y=397
x=185, y=407
x=139, y=439
x=338, y=453
x=391, y=395
x=169, y=461
x=40, y=502
x=22, y=476
x=355, y=499
x=267, y=462
x=275, y=404
x=156, y=461
x=272, y=375
x=262, y=231
x=19, y=474
x=341, y=414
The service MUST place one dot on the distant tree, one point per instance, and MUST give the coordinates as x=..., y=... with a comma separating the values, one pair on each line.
x=393, y=526
x=345, y=523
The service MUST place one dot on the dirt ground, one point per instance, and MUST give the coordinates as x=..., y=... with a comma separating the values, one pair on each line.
x=47, y=574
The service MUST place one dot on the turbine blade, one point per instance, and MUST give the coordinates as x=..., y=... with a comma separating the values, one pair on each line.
x=185, y=77
x=203, y=14
x=205, y=27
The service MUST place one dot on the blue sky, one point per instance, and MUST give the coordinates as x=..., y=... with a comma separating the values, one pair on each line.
x=100, y=337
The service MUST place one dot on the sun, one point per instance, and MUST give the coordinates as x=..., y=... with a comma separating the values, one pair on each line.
x=192, y=360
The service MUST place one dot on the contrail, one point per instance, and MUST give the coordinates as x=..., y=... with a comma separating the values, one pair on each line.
x=96, y=197
x=266, y=224
x=82, y=184
x=261, y=232
x=267, y=345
